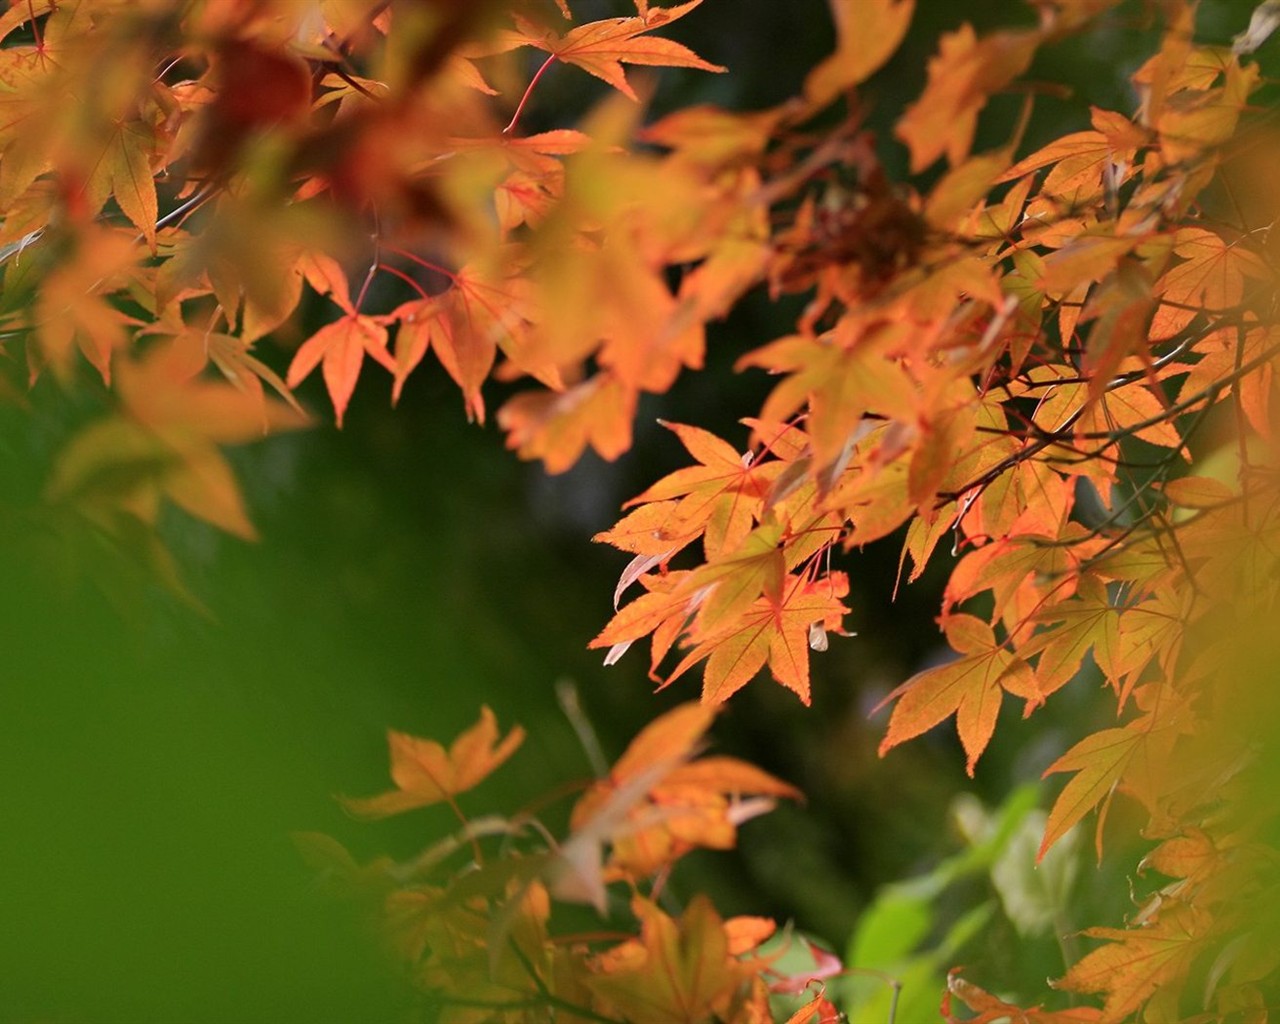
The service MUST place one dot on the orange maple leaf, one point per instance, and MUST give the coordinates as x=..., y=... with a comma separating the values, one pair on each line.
x=971, y=688
x=425, y=773
x=342, y=345
x=779, y=630
x=993, y=1010
x=1087, y=623
x=867, y=36
x=1136, y=962
x=602, y=47
x=657, y=804
x=1099, y=761
x=1082, y=160
x=721, y=497
x=1211, y=280
x=963, y=75
x=680, y=972
x=663, y=611
x=556, y=427
x=165, y=444
x=72, y=308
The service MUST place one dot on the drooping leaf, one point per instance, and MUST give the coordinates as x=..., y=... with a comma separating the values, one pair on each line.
x=971, y=688
x=341, y=346
x=1099, y=761
x=991, y=1009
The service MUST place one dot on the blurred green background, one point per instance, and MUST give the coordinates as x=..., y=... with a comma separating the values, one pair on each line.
x=154, y=759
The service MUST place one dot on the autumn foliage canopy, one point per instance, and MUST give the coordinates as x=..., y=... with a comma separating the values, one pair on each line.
x=1052, y=366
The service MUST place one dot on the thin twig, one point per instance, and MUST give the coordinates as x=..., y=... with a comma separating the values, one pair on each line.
x=492, y=825
x=567, y=695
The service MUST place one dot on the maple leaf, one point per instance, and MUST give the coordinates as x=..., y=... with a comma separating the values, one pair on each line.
x=1192, y=122
x=127, y=166
x=1088, y=623
x=873, y=497
x=720, y=498
x=971, y=688
x=818, y=1010
x=728, y=585
x=425, y=773
x=246, y=372
x=993, y=1010
x=940, y=449
x=72, y=309
x=1099, y=761
x=677, y=971
x=165, y=444
x=657, y=804
x=664, y=611
x=602, y=813
x=779, y=630
x=556, y=427
x=30, y=126
x=1198, y=492
x=602, y=47
x=1085, y=258
x=463, y=326
x=648, y=336
x=650, y=530
x=953, y=200
x=867, y=36
x=1192, y=856
x=1030, y=498
x=342, y=346
x=696, y=805
x=672, y=737
x=1218, y=364
x=710, y=137
x=1082, y=161
x=842, y=379
x=1136, y=962
x=963, y=75
x=1211, y=280
x=165, y=393
x=1132, y=409
x=1004, y=566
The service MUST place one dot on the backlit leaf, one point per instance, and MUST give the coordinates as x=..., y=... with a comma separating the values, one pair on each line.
x=425, y=773
x=341, y=346
x=602, y=47
x=971, y=688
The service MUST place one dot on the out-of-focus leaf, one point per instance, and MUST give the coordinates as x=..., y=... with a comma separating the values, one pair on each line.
x=1035, y=896
x=425, y=773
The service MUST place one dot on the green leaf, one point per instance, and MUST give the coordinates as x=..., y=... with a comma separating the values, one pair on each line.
x=1035, y=896
x=896, y=923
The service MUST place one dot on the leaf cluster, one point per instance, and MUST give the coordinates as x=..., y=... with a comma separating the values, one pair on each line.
x=1060, y=365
